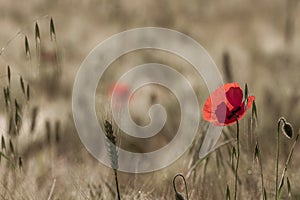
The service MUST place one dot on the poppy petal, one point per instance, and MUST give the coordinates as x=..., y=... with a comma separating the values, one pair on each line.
x=221, y=112
x=235, y=96
x=212, y=102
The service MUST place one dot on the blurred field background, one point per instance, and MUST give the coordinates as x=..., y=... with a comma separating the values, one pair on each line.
x=260, y=39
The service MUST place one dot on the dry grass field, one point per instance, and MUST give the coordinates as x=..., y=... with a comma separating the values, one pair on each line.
x=43, y=44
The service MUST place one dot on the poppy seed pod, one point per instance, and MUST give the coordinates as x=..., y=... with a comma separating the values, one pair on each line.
x=287, y=129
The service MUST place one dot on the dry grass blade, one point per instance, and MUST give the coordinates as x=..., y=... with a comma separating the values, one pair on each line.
x=52, y=190
x=4, y=156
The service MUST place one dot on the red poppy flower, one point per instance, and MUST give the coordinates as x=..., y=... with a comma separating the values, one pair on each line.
x=225, y=110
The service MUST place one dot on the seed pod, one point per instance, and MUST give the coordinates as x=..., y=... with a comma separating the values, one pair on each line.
x=287, y=129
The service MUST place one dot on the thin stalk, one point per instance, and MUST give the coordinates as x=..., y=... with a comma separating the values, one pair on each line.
x=261, y=174
x=277, y=156
x=289, y=158
x=237, y=159
x=117, y=184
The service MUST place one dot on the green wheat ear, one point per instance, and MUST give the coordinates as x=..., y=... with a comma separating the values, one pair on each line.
x=111, y=143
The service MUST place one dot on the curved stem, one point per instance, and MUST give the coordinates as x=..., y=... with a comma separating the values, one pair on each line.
x=237, y=159
x=185, y=185
x=288, y=159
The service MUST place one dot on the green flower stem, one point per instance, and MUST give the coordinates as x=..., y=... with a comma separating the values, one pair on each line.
x=277, y=156
x=289, y=159
x=117, y=183
x=238, y=158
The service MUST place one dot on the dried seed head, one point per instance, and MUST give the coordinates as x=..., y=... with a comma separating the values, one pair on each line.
x=287, y=129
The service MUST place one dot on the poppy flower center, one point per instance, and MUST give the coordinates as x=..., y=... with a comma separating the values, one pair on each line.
x=234, y=112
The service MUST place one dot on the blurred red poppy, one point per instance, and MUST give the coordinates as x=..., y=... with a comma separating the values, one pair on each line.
x=121, y=90
x=121, y=94
x=226, y=110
